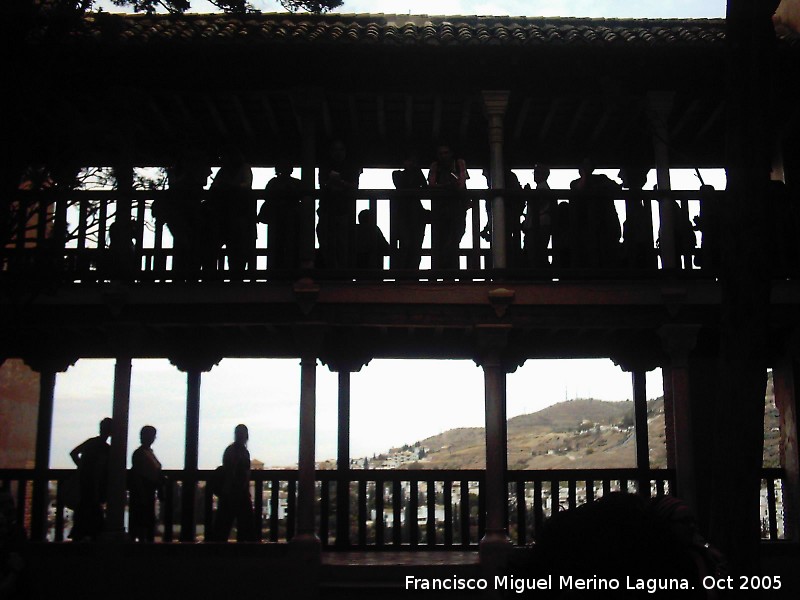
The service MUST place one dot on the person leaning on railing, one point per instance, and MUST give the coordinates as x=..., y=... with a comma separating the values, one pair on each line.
x=448, y=211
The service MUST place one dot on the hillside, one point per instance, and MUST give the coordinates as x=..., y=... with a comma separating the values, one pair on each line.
x=578, y=434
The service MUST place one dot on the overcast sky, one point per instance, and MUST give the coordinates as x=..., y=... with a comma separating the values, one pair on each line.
x=394, y=402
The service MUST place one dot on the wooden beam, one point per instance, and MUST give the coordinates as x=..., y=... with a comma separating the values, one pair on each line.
x=466, y=110
x=522, y=118
x=566, y=139
x=159, y=116
x=326, y=118
x=380, y=110
x=718, y=112
x=685, y=118
x=268, y=113
x=409, y=117
x=216, y=118
x=243, y=120
x=548, y=121
x=353, y=107
x=436, y=117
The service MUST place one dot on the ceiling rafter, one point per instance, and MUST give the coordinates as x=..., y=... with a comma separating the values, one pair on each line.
x=522, y=117
x=216, y=117
x=244, y=121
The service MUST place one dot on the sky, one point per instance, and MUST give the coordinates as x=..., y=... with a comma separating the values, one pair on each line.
x=393, y=401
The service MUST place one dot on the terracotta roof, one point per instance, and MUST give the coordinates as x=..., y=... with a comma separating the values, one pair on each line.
x=419, y=30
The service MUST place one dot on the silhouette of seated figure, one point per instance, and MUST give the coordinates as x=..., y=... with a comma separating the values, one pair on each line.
x=594, y=223
x=638, y=251
x=408, y=217
x=371, y=245
x=282, y=212
x=624, y=537
x=231, y=209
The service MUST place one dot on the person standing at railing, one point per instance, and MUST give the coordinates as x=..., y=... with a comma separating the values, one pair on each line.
x=91, y=458
x=181, y=210
x=235, y=503
x=144, y=482
x=449, y=210
x=594, y=223
x=637, y=231
x=371, y=245
x=408, y=216
x=514, y=207
x=282, y=212
x=233, y=219
x=338, y=182
x=538, y=225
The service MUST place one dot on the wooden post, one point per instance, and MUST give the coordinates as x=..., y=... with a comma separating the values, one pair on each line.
x=343, y=463
x=47, y=369
x=678, y=341
x=784, y=380
x=118, y=454
x=660, y=105
x=639, y=383
x=495, y=104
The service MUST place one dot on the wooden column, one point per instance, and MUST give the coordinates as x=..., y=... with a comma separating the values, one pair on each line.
x=659, y=106
x=118, y=453
x=785, y=380
x=495, y=545
x=47, y=369
x=495, y=104
x=669, y=415
x=194, y=367
x=343, y=462
x=306, y=540
x=308, y=106
x=678, y=341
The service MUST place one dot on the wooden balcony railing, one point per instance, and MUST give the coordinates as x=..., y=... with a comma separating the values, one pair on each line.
x=67, y=235
x=391, y=509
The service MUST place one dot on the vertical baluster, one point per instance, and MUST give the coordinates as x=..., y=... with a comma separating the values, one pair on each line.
x=274, y=509
x=379, y=513
x=554, y=497
x=167, y=509
x=474, y=256
x=397, y=512
x=465, y=517
x=413, y=532
x=771, y=511
x=291, y=509
x=102, y=224
x=259, y=509
x=208, y=510
x=139, y=233
x=448, y=513
x=83, y=218
x=362, y=513
x=59, y=532
x=159, y=260
x=571, y=494
x=606, y=487
x=41, y=223
x=589, y=490
x=481, y=508
x=324, y=512
x=623, y=485
x=521, y=517
x=538, y=510
x=22, y=487
x=430, y=527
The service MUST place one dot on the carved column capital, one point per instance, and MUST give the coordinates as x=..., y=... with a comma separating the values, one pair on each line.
x=49, y=364
x=195, y=362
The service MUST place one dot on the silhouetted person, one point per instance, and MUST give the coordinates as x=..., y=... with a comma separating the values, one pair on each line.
x=232, y=211
x=91, y=458
x=144, y=482
x=539, y=218
x=181, y=210
x=637, y=231
x=408, y=217
x=121, y=247
x=449, y=210
x=513, y=207
x=685, y=240
x=235, y=503
x=338, y=182
x=371, y=245
x=709, y=226
x=282, y=212
x=562, y=236
x=594, y=222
